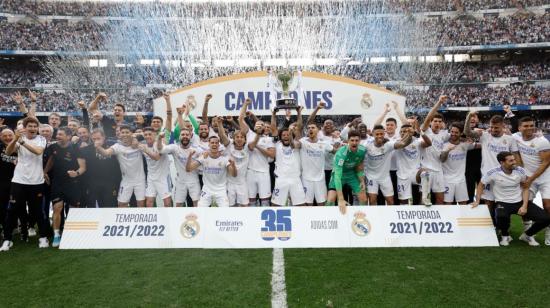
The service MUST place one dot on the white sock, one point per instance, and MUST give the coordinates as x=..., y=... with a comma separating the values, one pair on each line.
x=425, y=184
x=56, y=233
x=264, y=203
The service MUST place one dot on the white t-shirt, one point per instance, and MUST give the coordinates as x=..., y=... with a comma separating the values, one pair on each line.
x=505, y=187
x=241, y=158
x=180, y=156
x=312, y=155
x=430, y=155
x=131, y=163
x=378, y=160
x=408, y=159
x=395, y=137
x=491, y=146
x=529, y=151
x=157, y=169
x=29, y=169
x=258, y=161
x=287, y=161
x=329, y=157
x=214, y=173
x=454, y=167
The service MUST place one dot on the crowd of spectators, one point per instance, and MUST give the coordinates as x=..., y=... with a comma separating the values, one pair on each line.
x=62, y=101
x=97, y=8
x=87, y=35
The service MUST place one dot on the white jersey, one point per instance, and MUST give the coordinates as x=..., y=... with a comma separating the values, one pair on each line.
x=454, y=167
x=258, y=161
x=329, y=157
x=131, y=163
x=214, y=173
x=241, y=158
x=408, y=159
x=312, y=156
x=430, y=155
x=378, y=160
x=491, y=146
x=287, y=161
x=157, y=169
x=530, y=155
x=180, y=156
x=505, y=187
x=29, y=169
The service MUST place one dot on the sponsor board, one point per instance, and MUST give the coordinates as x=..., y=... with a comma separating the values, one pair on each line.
x=285, y=227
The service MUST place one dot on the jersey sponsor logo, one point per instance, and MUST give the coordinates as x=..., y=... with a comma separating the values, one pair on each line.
x=360, y=225
x=277, y=225
x=190, y=227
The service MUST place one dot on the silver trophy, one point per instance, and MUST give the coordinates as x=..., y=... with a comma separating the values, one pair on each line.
x=283, y=81
x=191, y=103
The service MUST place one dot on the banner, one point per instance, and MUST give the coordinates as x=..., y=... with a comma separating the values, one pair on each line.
x=343, y=96
x=284, y=227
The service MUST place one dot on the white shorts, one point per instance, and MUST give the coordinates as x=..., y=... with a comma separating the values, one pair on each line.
x=127, y=189
x=404, y=187
x=208, y=197
x=162, y=188
x=237, y=193
x=543, y=188
x=182, y=189
x=456, y=192
x=315, y=190
x=385, y=186
x=258, y=183
x=487, y=193
x=288, y=186
x=437, y=181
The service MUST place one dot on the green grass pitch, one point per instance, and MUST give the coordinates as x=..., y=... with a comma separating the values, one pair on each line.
x=514, y=276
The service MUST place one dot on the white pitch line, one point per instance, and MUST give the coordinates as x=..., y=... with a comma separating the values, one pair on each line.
x=278, y=284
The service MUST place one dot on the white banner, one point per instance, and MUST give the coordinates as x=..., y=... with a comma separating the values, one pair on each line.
x=343, y=96
x=287, y=227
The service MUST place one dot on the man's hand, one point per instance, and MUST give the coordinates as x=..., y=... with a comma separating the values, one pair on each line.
x=180, y=110
x=142, y=147
x=387, y=108
x=32, y=96
x=394, y=105
x=474, y=204
x=46, y=178
x=18, y=98
x=191, y=152
x=247, y=102
x=135, y=143
x=98, y=144
x=232, y=162
x=72, y=173
x=342, y=206
x=322, y=105
x=81, y=104
x=527, y=183
x=2, y=121
x=101, y=96
x=18, y=133
x=522, y=210
x=205, y=154
x=207, y=98
x=442, y=99
x=507, y=108
x=166, y=97
x=450, y=147
x=362, y=186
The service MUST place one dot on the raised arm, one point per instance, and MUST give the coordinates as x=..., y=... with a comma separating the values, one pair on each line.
x=145, y=150
x=382, y=116
x=105, y=152
x=232, y=168
x=400, y=112
x=432, y=112
x=445, y=153
x=468, y=128
x=405, y=141
x=192, y=164
x=205, y=109
x=311, y=118
x=274, y=129
x=242, y=123
x=94, y=105
x=221, y=133
x=299, y=123
x=81, y=168
x=18, y=98
x=168, y=124
x=85, y=115
x=32, y=111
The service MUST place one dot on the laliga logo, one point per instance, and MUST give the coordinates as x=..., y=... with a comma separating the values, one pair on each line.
x=190, y=227
x=366, y=101
x=360, y=225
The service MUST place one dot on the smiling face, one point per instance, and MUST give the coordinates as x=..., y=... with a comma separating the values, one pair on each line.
x=6, y=136
x=527, y=129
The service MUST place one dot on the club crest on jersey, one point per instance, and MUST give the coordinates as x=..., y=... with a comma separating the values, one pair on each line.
x=190, y=227
x=360, y=225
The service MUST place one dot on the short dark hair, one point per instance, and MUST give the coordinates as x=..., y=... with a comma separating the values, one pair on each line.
x=458, y=125
x=391, y=120
x=526, y=119
x=157, y=118
x=502, y=156
x=54, y=114
x=213, y=137
x=98, y=131
x=496, y=119
x=378, y=126
x=121, y=106
x=28, y=120
x=406, y=125
x=353, y=133
x=148, y=129
x=66, y=130
x=437, y=115
x=121, y=127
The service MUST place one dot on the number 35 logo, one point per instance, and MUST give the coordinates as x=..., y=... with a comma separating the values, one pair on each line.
x=277, y=224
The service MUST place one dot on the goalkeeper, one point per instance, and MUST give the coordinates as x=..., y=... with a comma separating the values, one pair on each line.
x=348, y=169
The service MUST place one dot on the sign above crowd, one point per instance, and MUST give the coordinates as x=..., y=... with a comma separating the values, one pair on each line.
x=343, y=96
x=288, y=227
